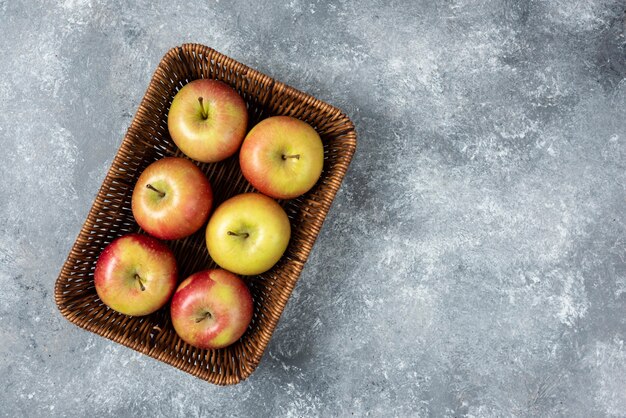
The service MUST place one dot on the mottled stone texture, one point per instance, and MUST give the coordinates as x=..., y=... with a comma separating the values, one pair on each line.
x=474, y=261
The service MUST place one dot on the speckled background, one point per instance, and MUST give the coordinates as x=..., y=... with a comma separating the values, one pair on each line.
x=474, y=261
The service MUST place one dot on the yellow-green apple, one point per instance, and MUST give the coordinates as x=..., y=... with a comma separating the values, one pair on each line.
x=282, y=157
x=248, y=234
x=207, y=120
x=211, y=309
x=135, y=275
x=172, y=198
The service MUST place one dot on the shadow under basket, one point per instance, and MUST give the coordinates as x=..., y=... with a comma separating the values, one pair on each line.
x=110, y=217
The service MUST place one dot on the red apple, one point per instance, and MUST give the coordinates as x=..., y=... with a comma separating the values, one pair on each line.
x=282, y=157
x=172, y=198
x=135, y=275
x=248, y=234
x=207, y=120
x=211, y=309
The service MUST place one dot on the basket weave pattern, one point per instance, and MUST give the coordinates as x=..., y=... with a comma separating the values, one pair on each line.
x=148, y=140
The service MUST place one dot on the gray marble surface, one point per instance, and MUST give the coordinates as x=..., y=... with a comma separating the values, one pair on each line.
x=474, y=261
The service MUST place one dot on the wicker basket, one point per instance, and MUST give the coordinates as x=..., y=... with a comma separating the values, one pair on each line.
x=146, y=141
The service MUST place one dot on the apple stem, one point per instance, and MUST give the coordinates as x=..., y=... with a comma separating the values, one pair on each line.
x=203, y=317
x=296, y=156
x=204, y=113
x=138, y=277
x=151, y=187
x=243, y=234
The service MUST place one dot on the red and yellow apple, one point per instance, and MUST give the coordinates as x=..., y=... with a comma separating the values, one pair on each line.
x=172, y=198
x=211, y=309
x=207, y=120
x=248, y=234
x=282, y=157
x=135, y=275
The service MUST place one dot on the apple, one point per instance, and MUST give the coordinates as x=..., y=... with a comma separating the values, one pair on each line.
x=172, y=198
x=248, y=234
x=135, y=275
x=282, y=157
x=211, y=309
x=207, y=120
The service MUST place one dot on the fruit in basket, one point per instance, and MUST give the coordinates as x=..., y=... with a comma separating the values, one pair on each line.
x=282, y=157
x=135, y=275
x=248, y=234
x=211, y=309
x=172, y=198
x=207, y=120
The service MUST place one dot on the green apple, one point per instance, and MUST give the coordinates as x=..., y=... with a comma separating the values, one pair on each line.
x=248, y=234
x=207, y=120
x=282, y=157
